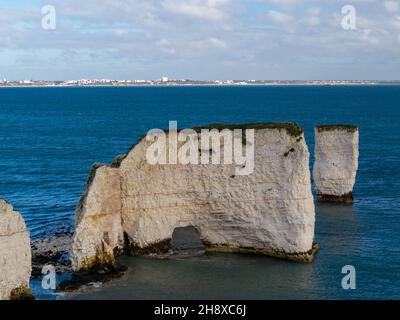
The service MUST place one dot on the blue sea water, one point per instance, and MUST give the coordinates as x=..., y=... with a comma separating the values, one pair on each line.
x=50, y=137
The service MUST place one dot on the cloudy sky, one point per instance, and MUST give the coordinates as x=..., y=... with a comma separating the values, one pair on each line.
x=200, y=39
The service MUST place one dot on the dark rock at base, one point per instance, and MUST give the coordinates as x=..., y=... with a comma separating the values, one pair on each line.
x=306, y=257
x=21, y=294
x=158, y=248
x=99, y=274
x=347, y=198
x=52, y=251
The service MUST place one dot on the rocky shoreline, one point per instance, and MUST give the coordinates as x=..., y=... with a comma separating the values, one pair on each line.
x=54, y=250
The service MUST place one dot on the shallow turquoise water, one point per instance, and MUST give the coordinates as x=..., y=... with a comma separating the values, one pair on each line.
x=50, y=137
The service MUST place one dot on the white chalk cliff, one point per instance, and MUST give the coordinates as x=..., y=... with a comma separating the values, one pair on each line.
x=136, y=205
x=336, y=162
x=15, y=254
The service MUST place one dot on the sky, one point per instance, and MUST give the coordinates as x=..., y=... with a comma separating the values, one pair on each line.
x=200, y=39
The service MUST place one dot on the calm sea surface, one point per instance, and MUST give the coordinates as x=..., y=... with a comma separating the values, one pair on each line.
x=50, y=137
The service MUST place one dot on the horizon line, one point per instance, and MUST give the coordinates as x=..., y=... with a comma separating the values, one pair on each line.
x=5, y=80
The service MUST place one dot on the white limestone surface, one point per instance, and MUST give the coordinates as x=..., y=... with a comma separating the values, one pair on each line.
x=336, y=162
x=15, y=253
x=270, y=211
x=98, y=226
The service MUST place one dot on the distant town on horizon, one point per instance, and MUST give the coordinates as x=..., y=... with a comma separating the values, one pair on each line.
x=165, y=81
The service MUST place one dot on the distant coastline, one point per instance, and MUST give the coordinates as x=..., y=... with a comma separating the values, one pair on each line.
x=183, y=83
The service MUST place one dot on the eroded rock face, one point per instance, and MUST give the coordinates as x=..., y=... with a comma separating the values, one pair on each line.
x=15, y=254
x=98, y=220
x=270, y=211
x=336, y=162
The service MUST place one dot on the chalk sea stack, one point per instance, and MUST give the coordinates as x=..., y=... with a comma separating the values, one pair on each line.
x=336, y=162
x=133, y=206
x=15, y=254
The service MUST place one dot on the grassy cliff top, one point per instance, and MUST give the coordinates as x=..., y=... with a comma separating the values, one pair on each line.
x=292, y=128
x=331, y=127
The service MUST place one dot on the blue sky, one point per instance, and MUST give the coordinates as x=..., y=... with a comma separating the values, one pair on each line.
x=200, y=39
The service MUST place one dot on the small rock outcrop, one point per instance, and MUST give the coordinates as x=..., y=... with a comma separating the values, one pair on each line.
x=15, y=254
x=136, y=206
x=53, y=250
x=336, y=162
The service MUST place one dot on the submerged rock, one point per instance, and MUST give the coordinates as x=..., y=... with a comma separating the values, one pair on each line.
x=15, y=254
x=94, y=277
x=336, y=162
x=53, y=250
x=136, y=206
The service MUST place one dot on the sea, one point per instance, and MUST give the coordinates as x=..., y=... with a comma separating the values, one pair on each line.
x=50, y=138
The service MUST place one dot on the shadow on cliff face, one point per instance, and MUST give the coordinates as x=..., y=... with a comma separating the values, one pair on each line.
x=186, y=241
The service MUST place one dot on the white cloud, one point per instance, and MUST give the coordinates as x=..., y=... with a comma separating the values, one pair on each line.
x=313, y=21
x=163, y=42
x=279, y=17
x=369, y=37
x=203, y=9
x=391, y=6
x=218, y=42
x=138, y=38
x=396, y=23
x=166, y=46
x=314, y=11
x=288, y=2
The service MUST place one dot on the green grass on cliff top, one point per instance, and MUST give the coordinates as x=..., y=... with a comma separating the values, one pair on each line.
x=292, y=128
x=331, y=127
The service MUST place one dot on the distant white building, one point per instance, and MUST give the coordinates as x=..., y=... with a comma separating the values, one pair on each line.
x=164, y=79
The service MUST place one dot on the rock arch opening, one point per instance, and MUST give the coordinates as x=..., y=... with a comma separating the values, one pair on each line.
x=270, y=211
x=186, y=240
